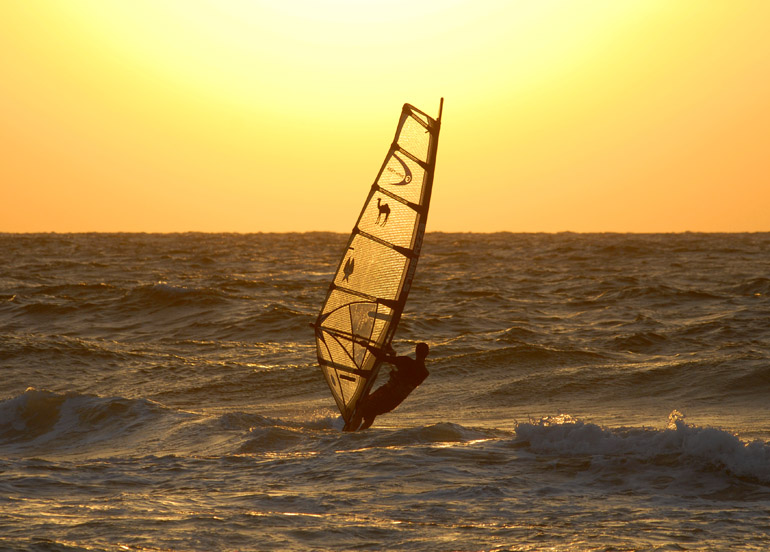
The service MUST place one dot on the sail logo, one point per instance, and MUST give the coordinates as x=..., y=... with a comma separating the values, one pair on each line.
x=382, y=209
x=348, y=269
x=405, y=175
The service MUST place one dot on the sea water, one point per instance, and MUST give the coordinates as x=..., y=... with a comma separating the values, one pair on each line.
x=587, y=392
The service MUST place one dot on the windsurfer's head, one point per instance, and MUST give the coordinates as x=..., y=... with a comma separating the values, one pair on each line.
x=421, y=351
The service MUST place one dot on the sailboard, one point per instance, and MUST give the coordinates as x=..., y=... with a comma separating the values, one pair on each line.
x=365, y=300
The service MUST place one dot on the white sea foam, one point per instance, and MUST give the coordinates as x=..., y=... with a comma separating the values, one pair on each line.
x=708, y=446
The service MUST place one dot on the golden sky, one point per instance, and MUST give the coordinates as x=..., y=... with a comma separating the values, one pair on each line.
x=248, y=116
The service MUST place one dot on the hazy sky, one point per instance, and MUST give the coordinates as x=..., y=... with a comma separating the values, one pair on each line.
x=247, y=116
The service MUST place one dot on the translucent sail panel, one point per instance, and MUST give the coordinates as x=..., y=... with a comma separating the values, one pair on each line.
x=336, y=364
x=390, y=220
x=341, y=344
x=372, y=269
x=403, y=177
x=415, y=138
x=418, y=115
x=347, y=317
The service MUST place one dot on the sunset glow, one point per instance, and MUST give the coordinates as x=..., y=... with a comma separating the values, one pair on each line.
x=248, y=116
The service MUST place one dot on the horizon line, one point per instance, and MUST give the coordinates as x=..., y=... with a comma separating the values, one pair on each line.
x=227, y=232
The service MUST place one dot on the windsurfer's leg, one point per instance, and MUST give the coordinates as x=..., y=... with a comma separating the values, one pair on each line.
x=364, y=410
x=354, y=422
x=381, y=401
x=367, y=422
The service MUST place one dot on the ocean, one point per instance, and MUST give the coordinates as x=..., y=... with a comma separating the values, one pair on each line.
x=603, y=392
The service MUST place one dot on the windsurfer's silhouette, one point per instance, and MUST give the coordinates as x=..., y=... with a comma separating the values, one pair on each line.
x=409, y=373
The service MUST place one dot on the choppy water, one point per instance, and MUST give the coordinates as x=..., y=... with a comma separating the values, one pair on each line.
x=587, y=392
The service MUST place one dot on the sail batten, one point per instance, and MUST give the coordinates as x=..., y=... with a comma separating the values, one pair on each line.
x=414, y=206
x=369, y=290
x=354, y=292
x=406, y=252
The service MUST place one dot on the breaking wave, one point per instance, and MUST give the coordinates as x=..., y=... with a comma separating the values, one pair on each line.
x=680, y=445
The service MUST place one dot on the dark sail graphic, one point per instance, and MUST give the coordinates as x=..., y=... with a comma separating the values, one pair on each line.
x=367, y=296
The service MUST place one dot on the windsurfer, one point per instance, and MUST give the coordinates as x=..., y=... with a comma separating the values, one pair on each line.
x=408, y=374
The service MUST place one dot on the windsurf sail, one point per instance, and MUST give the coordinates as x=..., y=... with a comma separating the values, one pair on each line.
x=367, y=295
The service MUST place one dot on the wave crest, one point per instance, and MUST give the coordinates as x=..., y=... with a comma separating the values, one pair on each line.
x=62, y=421
x=681, y=443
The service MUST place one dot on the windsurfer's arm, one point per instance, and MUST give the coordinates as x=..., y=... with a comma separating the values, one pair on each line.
x=386, y=355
